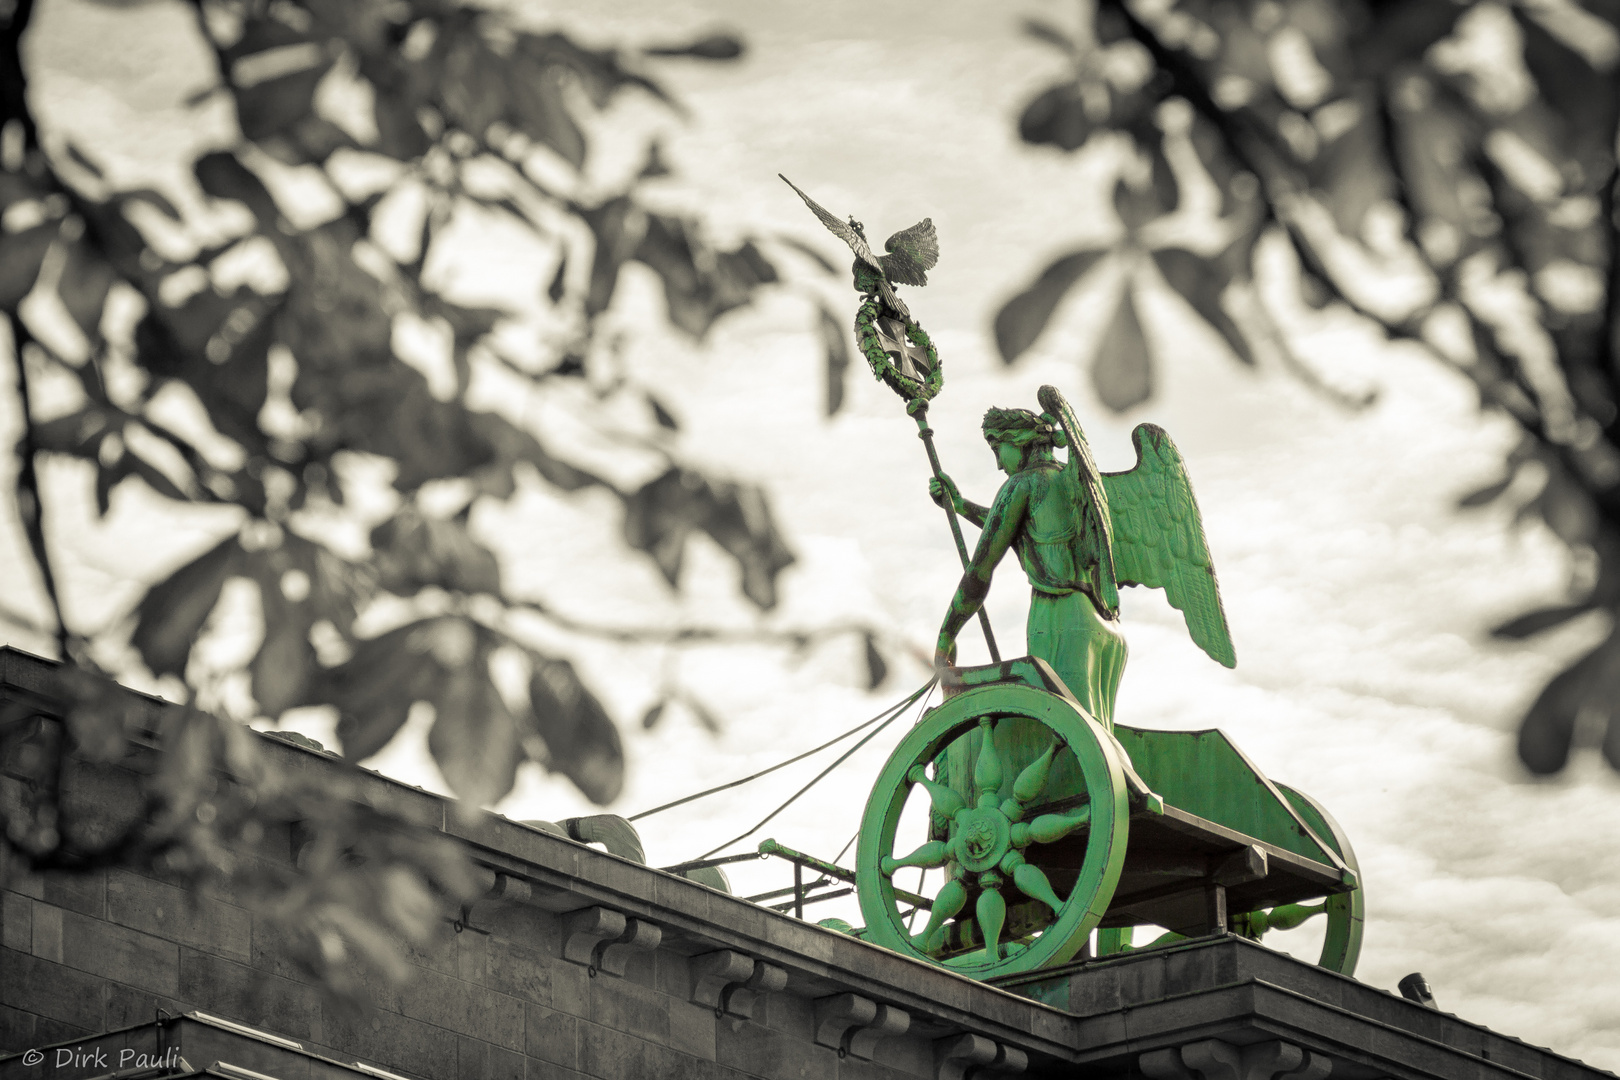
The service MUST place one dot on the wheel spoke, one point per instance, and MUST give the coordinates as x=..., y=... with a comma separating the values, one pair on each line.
x=987, y=770
x=992, y=915
x=1032, y=781
x=1288, y=916
x=947, y=902
x=1049, y=828
x=945, y=801
x=930, y=855
x=1032, y=881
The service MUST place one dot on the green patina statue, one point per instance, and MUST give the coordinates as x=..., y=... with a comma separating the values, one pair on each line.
x=1047, y=820
x=1079, y=534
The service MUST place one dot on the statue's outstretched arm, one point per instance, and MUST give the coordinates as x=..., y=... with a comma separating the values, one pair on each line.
x=1001, y=524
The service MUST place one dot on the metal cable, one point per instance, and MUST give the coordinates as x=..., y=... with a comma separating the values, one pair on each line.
x=784, y=764
x=896, y=711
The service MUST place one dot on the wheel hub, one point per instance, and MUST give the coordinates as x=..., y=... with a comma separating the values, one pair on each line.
x=983, y=837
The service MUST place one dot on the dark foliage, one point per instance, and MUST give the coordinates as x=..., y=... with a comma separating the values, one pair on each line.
x=453, y=91
x=1346, y=124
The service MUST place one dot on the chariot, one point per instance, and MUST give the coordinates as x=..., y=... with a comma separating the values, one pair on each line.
x=1048, y=821
x=1049, y=826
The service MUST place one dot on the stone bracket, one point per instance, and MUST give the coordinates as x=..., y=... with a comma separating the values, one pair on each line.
x=1212, y=1059
x=604, y=939
x=957, y=1055
x=739, y=1000
x=730, y=982
x=854, y=1025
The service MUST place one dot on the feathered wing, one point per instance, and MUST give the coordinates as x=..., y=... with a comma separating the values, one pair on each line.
x=840, y=229
x=1095, y=538
x=1159, y=539
x=911, y=254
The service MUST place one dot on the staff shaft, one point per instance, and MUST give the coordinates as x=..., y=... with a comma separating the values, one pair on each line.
x=926, y=434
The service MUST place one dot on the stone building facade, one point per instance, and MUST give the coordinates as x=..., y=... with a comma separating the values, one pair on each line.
x=577, y=963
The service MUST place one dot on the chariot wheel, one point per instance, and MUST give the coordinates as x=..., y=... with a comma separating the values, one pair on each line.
x=985, y=845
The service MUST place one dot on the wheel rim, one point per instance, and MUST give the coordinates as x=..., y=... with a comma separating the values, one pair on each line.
x=1345, y=911
x=988, y=836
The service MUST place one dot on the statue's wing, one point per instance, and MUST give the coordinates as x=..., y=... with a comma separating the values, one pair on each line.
x=1095, y=519
x=1159, y=539
x=911, y=254
x=840, y=229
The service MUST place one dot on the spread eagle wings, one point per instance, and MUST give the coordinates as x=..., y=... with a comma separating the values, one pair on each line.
x=1159, y=539
x=911, y=254
x=842, y=229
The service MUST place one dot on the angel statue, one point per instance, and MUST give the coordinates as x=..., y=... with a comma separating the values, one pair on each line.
x=1080, y=534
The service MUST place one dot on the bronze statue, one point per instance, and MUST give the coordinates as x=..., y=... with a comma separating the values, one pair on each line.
x=1080, y=534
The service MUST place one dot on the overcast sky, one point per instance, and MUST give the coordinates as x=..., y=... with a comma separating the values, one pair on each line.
x=1357, y=596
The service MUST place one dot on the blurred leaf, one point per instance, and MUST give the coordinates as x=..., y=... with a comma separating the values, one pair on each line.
x=539, y=110
x=172, y=614
x=1021, y=319
x=1353, y=172
x=1163, y=179
x=285, y=661
x=711, y=47
x=1136, y=206
x=663, y=514
x=474, y=737
x=223, y=176
x=85, y=281
x=558, y=281
x=412, y=552
x=1548, y=727
x=475, y=83
x=399, y=131
x=652, y=716
x=1122, y=371
x=1200, y=283
x=809, y=252
x=79, y=433
x=1056, y=117
x=261, y=35
x=835, y=342
x=1434, y=147
x=20, y=256
x=1534, y=622
x=1585, y=103
x=581, y=741
x=740, y=521
x=1042, y=30
x=615, y=242
x=82, y=161
x=1219, y=161
x=1487, y=494
x=700, y=712
x=877, y=669
x=1401, y=31
x=700, y=284
x=374, y=689
x=276, y=104
x=600, y=72
x=665, y=418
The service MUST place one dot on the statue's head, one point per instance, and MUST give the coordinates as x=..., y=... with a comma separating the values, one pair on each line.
x=1017, y=435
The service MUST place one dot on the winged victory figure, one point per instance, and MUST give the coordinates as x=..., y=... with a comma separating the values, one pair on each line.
x=911, y=254
x=1080, y=534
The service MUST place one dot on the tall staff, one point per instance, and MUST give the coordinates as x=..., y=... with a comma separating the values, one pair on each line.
x=897, y=348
